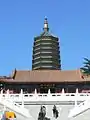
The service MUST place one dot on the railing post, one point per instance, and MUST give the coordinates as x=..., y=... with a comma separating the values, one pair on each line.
x=7, y=94
x=35, y=94
x=76, y=95
x=63, y=92
x=22, y=98
x=49, y=94
x=1, y=94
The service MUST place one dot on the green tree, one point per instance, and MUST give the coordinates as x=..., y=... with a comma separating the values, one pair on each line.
x=86, y=68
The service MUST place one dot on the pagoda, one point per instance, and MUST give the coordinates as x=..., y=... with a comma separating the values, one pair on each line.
x=46, y=54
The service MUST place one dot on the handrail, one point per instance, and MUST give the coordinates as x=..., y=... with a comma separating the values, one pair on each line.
x=79, y=109
x=47, y=97
x=15, y=107
x=56, y=94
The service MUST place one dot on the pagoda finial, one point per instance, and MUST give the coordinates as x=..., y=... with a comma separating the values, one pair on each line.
x=45, y=25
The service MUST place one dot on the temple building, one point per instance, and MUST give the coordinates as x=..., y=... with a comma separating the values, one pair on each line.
x=46, y=73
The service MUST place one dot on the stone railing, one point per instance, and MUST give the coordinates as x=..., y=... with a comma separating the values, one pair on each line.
x=21, y=97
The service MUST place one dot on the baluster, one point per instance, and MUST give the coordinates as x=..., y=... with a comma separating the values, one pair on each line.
x=63, y=92
x=7, y=94
x=1, y=94
x=76, y=95
x=35, y=94
x=22, y=99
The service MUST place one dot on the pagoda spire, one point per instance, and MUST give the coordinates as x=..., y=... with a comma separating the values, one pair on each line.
x=46, y=29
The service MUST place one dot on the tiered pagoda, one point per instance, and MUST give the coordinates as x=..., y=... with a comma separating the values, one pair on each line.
x=46, y=54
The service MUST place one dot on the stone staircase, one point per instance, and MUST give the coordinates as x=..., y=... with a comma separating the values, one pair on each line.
x=35, y=109
x=15, y=107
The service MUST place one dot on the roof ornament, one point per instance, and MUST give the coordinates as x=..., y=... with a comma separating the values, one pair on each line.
x=46, y=29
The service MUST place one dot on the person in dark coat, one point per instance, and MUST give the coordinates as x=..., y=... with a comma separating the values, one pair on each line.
x=42, y=113
x=55, y=112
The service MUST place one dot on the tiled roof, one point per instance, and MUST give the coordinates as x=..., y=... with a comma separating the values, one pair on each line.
x=47, y=33
x=53, y=76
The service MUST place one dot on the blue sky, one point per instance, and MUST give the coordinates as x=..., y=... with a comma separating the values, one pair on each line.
x=21, y=20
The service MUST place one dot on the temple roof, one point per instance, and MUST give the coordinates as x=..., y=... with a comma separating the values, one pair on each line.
x=48, y=76
x=46, y=34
